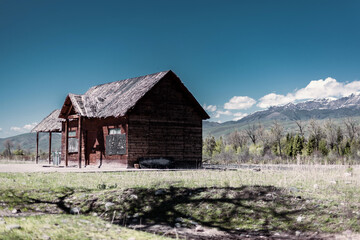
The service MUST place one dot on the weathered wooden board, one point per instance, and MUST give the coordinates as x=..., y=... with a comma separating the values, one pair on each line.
x=116, y=144
x=73, y=145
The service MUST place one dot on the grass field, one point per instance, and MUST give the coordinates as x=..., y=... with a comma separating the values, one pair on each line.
x=304, y=200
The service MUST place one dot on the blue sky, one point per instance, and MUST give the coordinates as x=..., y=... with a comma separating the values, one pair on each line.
x=236, y=57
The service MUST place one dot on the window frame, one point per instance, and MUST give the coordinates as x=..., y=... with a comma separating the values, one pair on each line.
x=75, y=133
x=117, y=130
x=71, y=139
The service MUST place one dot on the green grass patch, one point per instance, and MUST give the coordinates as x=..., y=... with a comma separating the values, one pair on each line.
x=67, y=227
x=306, y=199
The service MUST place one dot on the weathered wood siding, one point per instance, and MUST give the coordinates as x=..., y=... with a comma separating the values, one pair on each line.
x=164, y=123
x=93, y=141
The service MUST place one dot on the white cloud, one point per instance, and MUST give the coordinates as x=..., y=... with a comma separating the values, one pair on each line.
x=329, y=87
x=0, y=129
x=273, y=99
x=219, y=113
x=16, y=129
x=240, y=102
x=25, y=128
x=210, y=108
x=239, y=115
x=30, y=126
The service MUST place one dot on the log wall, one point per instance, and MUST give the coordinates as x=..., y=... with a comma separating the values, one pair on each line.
x=93, y=141
x=165, y=124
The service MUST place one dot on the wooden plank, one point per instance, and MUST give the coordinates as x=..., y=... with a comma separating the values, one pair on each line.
x=73, y=117
x=49, y=147
x=116, y=144
x=86, y=149
x=79, y=129
x=66, y=142
x=37, y=147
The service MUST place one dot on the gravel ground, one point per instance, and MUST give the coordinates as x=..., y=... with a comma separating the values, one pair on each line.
x=32, y=167
x=42, y=167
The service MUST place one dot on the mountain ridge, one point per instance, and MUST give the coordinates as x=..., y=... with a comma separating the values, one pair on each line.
x=27, y=141
x=318, y=109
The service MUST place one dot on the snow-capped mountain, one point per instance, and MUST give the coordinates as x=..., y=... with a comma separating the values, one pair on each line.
x=350, y=101
x=317, y=109
x=313, y=109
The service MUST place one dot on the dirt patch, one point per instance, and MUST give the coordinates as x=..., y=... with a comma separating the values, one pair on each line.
x=248, y=212
x=32, y=167
x=215, y=234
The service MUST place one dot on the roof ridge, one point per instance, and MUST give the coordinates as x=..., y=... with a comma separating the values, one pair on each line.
x=143, y=76
x=115, y=99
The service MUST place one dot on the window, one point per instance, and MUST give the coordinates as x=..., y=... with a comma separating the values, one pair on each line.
x=73, y=142
x=116, y=144
x=113, y=131
x=72, y=134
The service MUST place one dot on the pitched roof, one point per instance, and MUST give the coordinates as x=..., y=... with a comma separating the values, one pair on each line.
x=51, y=123
x=115, y=99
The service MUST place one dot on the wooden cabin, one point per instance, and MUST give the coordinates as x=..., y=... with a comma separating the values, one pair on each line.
x=122, y=123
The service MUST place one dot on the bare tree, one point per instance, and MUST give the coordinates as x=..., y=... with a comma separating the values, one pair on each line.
x=261, y=133
x=237, y=139
x=255, y=132
x=301, y=125
x=8, y=145
x=277, y=131
x=251, y=132
x=352, y=128
x=316, y=132
x=331, y=133
x=264, y=136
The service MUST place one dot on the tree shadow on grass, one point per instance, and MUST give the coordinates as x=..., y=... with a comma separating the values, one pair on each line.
x=43, y=201
x=234, y=210
x=246, y=209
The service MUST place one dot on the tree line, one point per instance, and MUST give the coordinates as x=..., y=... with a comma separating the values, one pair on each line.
x=15, y=152
x=312, y=142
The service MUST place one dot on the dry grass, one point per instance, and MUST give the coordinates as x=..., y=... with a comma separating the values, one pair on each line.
x=63, y=227
x=325, y=197
x=330, y=182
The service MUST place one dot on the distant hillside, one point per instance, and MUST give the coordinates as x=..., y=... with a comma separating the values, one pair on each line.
x=27, y=141
x=320, y=109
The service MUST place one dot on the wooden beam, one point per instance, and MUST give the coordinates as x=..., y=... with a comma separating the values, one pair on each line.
x=72, y=116
x=67, y=142
x=79, y=129
x=49, y=147
x=37, y=148
x=69, y=110
x=85, y=155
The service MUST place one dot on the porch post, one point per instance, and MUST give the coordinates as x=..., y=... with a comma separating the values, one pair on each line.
x=79, y=129
x=37, y=148
x=66, y=141
x=49, y=147
x=85, y=157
